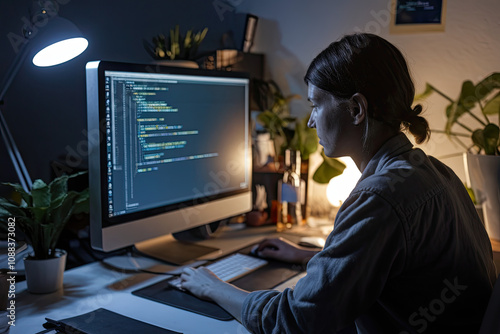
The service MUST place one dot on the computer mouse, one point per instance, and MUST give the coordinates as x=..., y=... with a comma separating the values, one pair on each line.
x=254, y=249
x=317, y=242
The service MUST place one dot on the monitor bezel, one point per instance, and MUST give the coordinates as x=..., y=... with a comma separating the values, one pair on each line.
x=102, y=224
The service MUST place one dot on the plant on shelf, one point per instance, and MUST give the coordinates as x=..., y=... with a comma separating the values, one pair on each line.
x=480, y=101
x=42, y=213
x=288, y=132
x=176, y=46
x=276, y=119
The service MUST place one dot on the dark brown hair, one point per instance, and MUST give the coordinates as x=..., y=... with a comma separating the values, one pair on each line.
x=370, y=65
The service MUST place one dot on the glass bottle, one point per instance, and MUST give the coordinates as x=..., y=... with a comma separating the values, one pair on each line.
x=289, y=193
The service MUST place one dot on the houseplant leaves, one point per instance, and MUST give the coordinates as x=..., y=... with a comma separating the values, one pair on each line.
x=43, y=212
x=487, y=138
x=474, y=97
x=328, y=169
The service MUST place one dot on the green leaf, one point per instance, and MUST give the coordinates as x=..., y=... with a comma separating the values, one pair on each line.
x=265, y=118
x=478, y=138
x=58, y=189
x=304, y=139
x=60, y=215
x=272, y=123
x=44, y=246
x=426, y=93
x=187, y=39
x=41, y=194
x=203, y=35
x=20, y=190
x=10, y=209
x=468, y=98
x=289, y=119
x=325, y=173
x=82, y=204
x=492, y=107
x=453, y=112
x=491, y=134
x=487, y=138
x=38, y=214
x=330, y=168
x=487, y=85
x=29, y=227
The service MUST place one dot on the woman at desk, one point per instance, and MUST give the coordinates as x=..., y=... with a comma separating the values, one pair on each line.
x=408, y=253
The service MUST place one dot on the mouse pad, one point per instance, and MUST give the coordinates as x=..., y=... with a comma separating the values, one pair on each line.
x=266, y=277
x=163, y=293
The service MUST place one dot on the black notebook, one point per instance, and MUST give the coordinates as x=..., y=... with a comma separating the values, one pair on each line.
x=102, y=321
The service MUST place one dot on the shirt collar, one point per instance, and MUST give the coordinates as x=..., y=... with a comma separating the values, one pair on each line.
x=392, y=147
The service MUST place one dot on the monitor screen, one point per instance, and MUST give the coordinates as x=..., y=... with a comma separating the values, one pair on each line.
x=170, y=150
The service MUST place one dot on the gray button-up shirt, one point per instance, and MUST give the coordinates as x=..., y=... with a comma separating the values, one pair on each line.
x=408, y=254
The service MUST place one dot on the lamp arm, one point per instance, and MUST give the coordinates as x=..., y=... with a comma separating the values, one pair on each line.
x=15, y=156
x=14, y=69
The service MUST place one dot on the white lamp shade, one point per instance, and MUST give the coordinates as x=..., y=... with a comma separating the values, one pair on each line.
x=60, y=52
x=57, y=42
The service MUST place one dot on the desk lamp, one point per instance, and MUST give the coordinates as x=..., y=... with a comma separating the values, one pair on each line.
x=49, y=41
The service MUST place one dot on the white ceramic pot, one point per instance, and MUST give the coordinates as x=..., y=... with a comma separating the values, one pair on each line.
x=45, y=276
x=483, y=172
x=264, y=149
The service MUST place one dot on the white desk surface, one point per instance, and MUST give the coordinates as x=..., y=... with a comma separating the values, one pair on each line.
x=92, y=286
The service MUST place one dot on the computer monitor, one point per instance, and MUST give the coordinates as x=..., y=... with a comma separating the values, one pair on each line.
x=170, y=150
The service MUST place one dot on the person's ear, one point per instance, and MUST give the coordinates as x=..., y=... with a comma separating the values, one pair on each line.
x=359, y=108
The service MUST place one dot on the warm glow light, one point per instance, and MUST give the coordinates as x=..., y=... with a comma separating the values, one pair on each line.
x=60, y=52
x=341, y=186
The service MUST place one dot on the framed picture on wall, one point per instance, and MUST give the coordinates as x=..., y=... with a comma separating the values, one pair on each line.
x=417, y=16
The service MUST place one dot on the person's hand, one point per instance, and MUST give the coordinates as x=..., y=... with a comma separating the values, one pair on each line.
x=284, y=250
x=201, y=282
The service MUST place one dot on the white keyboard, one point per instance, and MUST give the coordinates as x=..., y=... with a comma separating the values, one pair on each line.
x=229, y=268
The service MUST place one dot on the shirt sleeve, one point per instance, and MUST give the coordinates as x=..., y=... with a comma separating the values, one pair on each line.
x=366, y=248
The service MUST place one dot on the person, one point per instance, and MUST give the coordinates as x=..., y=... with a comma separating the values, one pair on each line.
x=408, y=252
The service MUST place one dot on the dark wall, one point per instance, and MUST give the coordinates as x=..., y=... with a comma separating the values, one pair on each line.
x=45, y=108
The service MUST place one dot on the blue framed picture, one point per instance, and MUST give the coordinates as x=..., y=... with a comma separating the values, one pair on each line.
x=417, y=16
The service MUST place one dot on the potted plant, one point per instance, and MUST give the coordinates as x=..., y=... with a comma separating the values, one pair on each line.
x=275, y=116
x=41, y=215
x=481, y=102
x=176, y=46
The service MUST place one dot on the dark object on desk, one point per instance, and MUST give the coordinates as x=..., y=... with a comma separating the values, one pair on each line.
x=258, y=218
x=102, y=321
x=267, y=277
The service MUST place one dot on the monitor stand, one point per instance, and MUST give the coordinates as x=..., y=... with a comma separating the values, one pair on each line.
x=181, y=248
x=173, y=251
